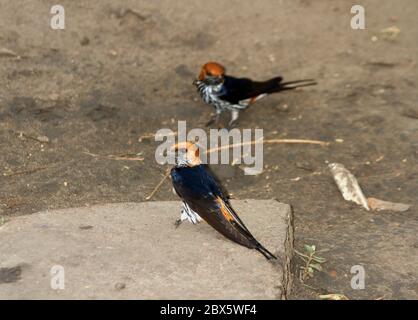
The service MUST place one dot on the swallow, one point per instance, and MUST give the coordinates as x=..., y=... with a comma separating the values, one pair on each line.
x=227, y=93
x=204, y=198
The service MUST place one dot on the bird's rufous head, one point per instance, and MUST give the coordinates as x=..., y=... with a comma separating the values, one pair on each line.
x=212, y=73
x=187, y=154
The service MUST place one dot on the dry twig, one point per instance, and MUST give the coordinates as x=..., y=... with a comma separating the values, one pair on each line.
x=121, y=157
x=21, y=172
x=157, y=187
x=270, y=141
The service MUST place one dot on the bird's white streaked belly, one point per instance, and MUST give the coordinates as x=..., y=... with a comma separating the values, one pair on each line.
x=188, y=214
x=210, y=94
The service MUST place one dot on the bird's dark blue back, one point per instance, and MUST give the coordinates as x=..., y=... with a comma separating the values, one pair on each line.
x=195, y=182
x=237, y=89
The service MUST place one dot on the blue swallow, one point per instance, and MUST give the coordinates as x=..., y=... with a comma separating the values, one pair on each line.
x=204, y=198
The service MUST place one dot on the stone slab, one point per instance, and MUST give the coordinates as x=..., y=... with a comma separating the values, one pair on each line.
x=133, y=251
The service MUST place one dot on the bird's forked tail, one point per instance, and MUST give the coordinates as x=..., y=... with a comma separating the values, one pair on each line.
x=267, y=254
x=276, y=85
x=290, y=85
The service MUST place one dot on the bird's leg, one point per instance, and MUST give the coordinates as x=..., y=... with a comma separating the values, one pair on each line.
x=187, y=214
x=234, y=119
x=214, y=118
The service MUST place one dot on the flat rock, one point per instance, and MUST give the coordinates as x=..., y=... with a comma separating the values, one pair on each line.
x=134, y=251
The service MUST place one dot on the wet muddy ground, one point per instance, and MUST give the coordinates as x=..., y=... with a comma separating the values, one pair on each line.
x=71, y=100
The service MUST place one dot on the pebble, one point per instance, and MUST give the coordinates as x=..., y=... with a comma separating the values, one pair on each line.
x=53, y=96
x=84, y=41
x=42, y=139
x=120, y=286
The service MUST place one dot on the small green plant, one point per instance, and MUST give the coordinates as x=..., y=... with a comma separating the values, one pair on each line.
x=311, y=260
x=2, y=221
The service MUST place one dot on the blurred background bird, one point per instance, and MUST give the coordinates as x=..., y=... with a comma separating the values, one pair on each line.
x=204, y=198
x=227, y=93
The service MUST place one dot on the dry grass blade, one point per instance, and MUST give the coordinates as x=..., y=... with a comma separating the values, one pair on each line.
x=333, y=296
x=22, y=172
x=157, y=187
x=121, y=157
x=125, y=157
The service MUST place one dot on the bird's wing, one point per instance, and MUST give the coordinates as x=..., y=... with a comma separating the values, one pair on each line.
x=216, y=182
x=239, y=89
x=199, y=189
x=231, y=217
x=225, y=207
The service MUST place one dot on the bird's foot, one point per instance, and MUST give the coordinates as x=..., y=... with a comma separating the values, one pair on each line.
x=210, y=122
x=177, y=223
x=213, y=120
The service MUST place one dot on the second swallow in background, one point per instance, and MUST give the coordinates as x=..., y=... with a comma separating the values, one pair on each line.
x=227, y=93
